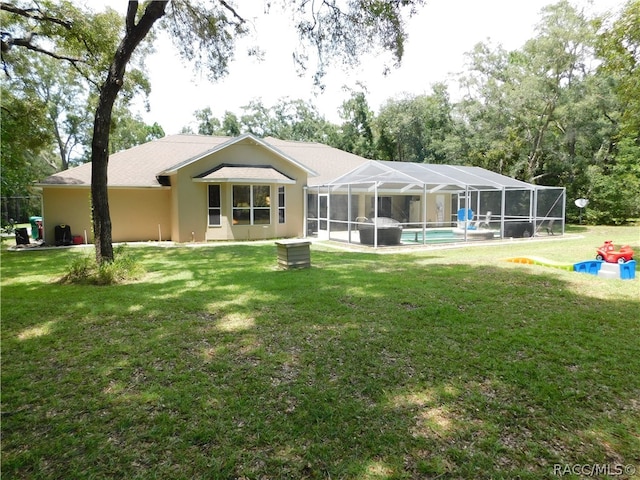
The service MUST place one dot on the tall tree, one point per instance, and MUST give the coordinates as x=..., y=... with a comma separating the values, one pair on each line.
x=524, y=107
x=206, y=35
x=356, y=133
x=230, y=125
x=287, y=120
x=416, y=128
x=26, y=151
x=614, y=182
x=619, y=47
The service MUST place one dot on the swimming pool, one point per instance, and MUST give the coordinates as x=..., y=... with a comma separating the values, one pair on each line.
x=444, y=235
x=431, y=236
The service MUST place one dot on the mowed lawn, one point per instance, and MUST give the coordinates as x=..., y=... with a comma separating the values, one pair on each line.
x=439, y=363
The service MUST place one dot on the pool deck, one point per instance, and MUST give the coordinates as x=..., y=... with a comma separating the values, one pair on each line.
x=340, y=240
x=434, y=236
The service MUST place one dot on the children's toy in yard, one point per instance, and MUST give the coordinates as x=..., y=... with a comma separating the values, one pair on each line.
x=609, y=254
x=609, y=263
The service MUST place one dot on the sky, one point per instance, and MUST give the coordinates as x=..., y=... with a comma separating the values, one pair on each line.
x=439, y=36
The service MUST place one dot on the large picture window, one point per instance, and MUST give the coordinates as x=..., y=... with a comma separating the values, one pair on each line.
x=215, y=213
x=251, y=204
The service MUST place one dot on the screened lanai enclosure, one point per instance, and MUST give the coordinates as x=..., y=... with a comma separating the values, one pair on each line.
x=399, y=203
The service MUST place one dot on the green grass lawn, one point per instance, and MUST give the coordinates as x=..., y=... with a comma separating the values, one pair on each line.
x=448, y=364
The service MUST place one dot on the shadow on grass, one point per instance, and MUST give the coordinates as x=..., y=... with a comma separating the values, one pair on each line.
x=218, y=365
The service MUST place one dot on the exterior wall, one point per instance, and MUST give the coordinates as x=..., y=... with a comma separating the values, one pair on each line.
x=180, y=212
x=190, y=198
x=408, y=208
x=139, y=215
x=432, y=211
x=135, y=213
x=66, y=206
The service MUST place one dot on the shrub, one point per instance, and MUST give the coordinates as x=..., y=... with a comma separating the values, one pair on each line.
x=85, y=270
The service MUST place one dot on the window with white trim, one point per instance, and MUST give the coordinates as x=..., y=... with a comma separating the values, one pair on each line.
x=251, y=205
x=215, y=212
x=281, y=209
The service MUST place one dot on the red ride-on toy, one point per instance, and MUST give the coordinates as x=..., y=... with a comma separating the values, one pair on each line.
x=608, y=253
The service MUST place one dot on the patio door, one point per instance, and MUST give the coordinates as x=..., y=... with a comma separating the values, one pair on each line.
x=323, y=216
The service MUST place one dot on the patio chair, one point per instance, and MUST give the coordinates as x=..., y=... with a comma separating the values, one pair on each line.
x=465, y=215
x=484, y=223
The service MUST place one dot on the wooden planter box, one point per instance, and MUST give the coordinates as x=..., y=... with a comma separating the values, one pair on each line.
x=294, y=253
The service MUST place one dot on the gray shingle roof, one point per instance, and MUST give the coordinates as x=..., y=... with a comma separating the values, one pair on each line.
x=139, y=166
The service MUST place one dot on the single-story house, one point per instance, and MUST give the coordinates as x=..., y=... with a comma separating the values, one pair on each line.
x=188, y=188
x=195, y=188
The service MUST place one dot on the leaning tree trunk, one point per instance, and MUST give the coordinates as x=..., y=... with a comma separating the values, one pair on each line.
x=135, y=33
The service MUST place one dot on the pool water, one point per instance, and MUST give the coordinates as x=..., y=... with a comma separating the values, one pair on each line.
x=431, y=236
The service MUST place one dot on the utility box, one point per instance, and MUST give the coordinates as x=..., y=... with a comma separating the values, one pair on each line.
x=294, y=253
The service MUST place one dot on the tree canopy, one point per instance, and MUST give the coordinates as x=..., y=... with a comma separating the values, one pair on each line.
x=204, y=33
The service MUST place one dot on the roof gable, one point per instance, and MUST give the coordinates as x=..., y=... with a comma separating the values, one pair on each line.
x=141, y=166
x=234, y=141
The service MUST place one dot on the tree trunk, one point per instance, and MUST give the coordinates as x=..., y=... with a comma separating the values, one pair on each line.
x=135, y=33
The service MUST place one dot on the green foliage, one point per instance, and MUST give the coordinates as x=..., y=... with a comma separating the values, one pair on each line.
x=614, y=190
x=345, y=31
x=128, y=131
x=619, y=46
x=65, y=90
x=416, y=128
x=288, y=119
x=84, y=269
x=25, y=143
x=356, y=132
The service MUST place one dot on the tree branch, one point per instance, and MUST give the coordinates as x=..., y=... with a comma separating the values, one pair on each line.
x=35, y=14
x=130, y=19
x=240, y=19
x=26, y=43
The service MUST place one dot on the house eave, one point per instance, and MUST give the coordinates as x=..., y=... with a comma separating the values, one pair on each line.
x=244, y=180
x=85, y=185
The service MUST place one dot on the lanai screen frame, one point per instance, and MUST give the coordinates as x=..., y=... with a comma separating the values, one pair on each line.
x=459, y=182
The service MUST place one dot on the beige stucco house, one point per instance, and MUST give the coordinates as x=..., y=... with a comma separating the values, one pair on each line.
x=194, y=188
